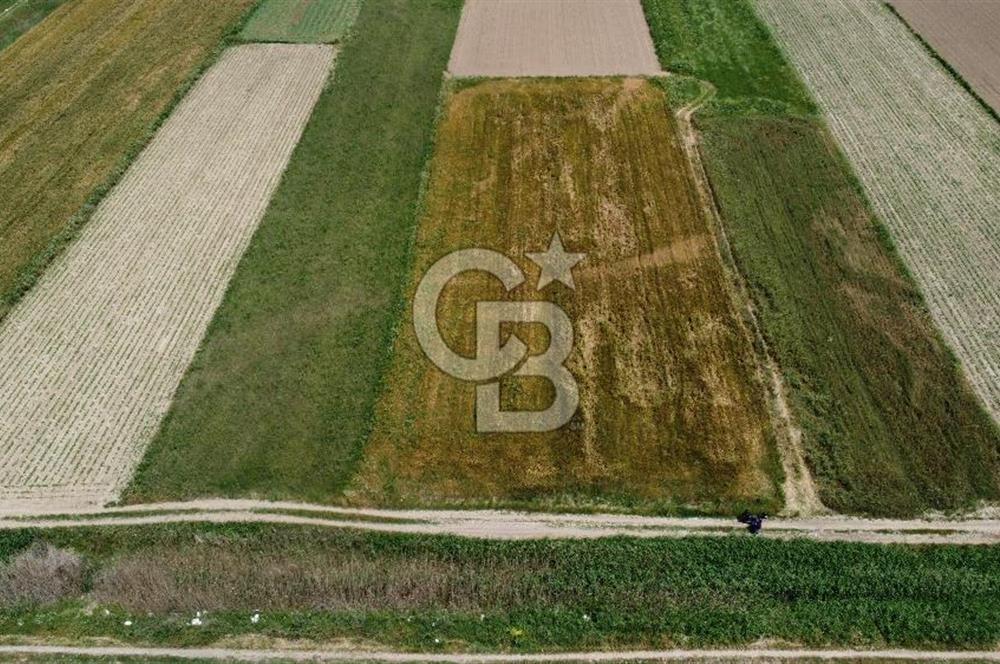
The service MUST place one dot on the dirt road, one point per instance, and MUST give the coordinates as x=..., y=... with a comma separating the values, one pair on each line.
x=489, y=658
x=497, y=524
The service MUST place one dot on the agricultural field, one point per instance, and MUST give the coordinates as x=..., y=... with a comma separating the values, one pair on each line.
x=672, y=411
x=963, y=33
x=92, y=355
x=927, y=155
x=284, y=387
x=889, y=425
x=552, y=38
x=301, y=21
x=80, y=98
x=18, y=16
x=444, y=594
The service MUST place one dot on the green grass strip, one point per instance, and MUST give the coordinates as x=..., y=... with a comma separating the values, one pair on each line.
x=302, y=21
x=279, y=399
x=451, y=594
x=19, y=16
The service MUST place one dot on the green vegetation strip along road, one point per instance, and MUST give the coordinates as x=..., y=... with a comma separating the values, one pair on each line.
x=302, y=21
x=449, y=594
x=19, y=16
x=279, y=400
x=890, y=426
x=81, y=96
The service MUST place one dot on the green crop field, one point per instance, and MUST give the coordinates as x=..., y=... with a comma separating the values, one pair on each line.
x=301, y=21
x=890, y=425
x=441, y=594
x=19, y=16
x=80, y=98
x=672, y=412
x=279, y=399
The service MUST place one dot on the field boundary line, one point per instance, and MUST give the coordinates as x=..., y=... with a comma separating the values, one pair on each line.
x=254, y=655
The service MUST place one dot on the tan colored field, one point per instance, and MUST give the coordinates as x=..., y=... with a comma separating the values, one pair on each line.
x=927, y=155
x=552, y=38
x=966, y=33
x=91, y=357
x=671, y=407
x=79, y=93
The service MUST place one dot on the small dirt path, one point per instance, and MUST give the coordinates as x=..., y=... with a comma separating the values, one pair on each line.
x=511, y=525
x=735, y=654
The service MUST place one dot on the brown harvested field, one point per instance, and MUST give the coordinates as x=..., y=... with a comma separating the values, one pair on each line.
x=672, y=411
x=79, y=93
x=93, y=354
x=966, y=33
x=552, y=38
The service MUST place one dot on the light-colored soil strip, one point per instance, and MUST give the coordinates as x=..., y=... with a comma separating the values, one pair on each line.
x=314, y=655
x=552, y=38
x=927, y=154
x=90, y=358
x=964, y=33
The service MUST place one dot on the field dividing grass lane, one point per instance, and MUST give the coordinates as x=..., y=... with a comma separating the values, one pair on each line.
x=81, y=95
x=552, y=38
x=19, y=16
x=302, y=21
x=927, y=154
x=92, y=355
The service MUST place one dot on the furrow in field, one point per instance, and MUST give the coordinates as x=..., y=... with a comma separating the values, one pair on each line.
x=927, y=154
x=92, y=356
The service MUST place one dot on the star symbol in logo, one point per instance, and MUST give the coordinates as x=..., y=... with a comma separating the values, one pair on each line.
x=556, y=263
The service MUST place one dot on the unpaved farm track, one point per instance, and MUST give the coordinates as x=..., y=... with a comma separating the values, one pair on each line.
x=509, y=525
x=91, y=357
x=552, y=38
x=927, y=154
x=734, y=654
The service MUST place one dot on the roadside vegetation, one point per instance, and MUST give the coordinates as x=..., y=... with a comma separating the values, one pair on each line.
x=890, y=424
x=19, y=16
x=80, y=99
x=448, y=594
x=301, y=21
x=279, y=399
x=672, y=413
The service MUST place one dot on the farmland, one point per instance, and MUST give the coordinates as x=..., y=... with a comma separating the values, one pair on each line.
x=93, y=353
x=441, y=594
x=301, y=21
x=18, y=16
x=552, y=38
x=80, y=99
x=889, y=424
x=285, y=387
x=963, y=33
x=927, y=155
x=672, y=411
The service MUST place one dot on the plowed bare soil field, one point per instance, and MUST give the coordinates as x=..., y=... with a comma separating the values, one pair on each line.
x=93, y=354
x=966, y=33
x=80, y=94
x=552, y=38
x=927, y=154
x=671, y=408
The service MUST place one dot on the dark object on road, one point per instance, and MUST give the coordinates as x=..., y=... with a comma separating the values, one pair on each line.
x=754, y=521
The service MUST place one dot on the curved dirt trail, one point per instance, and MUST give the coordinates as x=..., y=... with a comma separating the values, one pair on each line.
x=734, y=654
x=510, y=525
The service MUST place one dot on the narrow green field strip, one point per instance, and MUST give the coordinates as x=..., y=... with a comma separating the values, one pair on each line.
x=279, y=400
x=447, y=594
x=19, y=16
x=890, y=426
x=302, y=21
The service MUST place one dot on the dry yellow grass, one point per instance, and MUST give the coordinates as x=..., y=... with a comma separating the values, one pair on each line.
x=672, y=411
x=80, y=93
